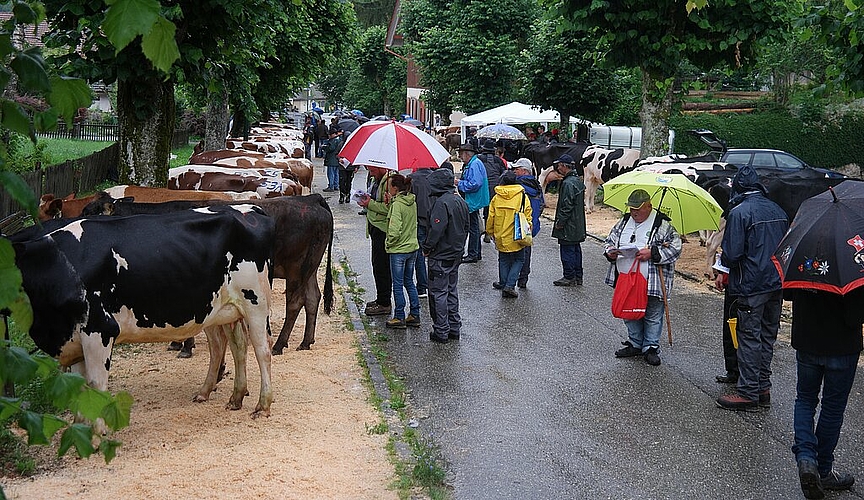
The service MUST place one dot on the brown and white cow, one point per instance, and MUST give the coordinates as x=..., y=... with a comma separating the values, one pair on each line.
x=266, y=182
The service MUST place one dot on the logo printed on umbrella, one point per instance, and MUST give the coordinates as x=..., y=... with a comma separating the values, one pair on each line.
x=858, y=244
x=787, y=252
x=663, y=180
x=814, y=267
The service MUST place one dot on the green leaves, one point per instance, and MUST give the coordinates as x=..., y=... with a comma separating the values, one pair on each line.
x=12, y=296
x=22, y=193
x=125, y=20
x=67, y=95
x=81, y=437
x=16, y=366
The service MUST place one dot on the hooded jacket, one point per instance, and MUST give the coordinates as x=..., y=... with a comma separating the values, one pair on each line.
x=570, y=213
x=423, y=198
x=538, y=201
x=500, y=224
x=448, y=219
x=754, y=227
x=402, y=225
x=377, y=211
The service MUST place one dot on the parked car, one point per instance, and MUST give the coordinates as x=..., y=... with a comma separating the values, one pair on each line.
x=764, y=161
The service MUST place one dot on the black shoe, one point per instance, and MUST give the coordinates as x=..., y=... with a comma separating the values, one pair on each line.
x=651, y=356
x=578, y=281
x=453, y=336
x=509, y=292
x=522, y=284
x=497, y=285
x=836, y=481
x=811, y=485
x=470, y=261
x=628, y=351
x=438, y=340
x=564, y=282
x=765, y=398
x=727, y=378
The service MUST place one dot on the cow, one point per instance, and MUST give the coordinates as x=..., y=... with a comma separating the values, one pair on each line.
x=69, y=207
x=304, y=230
x=542, y=154
x=201, y=157
x=92, y=284
x=266, y=182
x=301, y=168
x=600, y=164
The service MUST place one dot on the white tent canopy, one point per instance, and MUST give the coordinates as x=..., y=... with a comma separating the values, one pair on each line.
x=514, y=113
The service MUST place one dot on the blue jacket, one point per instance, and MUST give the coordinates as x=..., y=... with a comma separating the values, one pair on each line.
x=754, y=228
x=538, y=202
x=474, y=185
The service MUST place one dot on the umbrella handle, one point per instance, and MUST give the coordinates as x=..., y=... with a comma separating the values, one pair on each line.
x=665, y=304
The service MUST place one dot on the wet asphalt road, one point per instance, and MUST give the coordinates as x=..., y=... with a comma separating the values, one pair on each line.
x=530, y=403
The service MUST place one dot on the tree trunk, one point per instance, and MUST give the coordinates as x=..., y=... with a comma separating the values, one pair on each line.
x=217, y=120
x=146, y=115
x=240, y=125
x=564, y=127
x=655, y=112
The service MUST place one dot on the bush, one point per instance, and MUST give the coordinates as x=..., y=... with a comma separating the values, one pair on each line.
x=194, y=122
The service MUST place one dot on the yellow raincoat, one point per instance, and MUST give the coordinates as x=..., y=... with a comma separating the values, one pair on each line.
x=502, y=211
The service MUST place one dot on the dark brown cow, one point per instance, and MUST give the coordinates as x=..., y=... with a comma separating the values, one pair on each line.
x=208, y=157
x=304, y=229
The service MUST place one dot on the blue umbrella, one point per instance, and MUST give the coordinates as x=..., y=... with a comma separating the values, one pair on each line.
x=357, y=112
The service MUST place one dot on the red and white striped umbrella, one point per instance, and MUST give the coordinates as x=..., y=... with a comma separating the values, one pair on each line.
x=393, y=146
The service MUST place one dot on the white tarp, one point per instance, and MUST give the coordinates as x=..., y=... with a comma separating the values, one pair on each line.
x=514, y=113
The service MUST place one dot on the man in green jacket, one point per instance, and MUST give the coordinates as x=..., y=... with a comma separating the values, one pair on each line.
x=570, y=221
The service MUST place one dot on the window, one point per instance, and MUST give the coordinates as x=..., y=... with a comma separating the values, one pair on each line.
x=788, y=161
x=738, y=159
x=763, y=160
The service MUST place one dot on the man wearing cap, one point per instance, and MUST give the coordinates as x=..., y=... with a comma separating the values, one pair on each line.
x=525, y=176
x=474, y=187
x=754, y=227
x=569, y=225
x=656, y=246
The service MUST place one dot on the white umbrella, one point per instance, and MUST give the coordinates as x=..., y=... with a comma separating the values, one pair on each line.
x=393, y=146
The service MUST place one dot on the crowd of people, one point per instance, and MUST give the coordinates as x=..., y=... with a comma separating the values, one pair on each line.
x=419, y=224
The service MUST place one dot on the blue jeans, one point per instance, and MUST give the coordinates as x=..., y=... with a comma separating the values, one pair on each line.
x=474, y=235
x=571, y=260
x=420, y=263
x=402, y=273
x=645, y=332
x=833, y=375
x=333, y=177
x=509, y=267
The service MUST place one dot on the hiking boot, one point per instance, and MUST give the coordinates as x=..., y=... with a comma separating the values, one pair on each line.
x=628, y=351
x=396, y=323
x=371, y=303
x=438, y=340
x=564, y=282
x=377, y=310
x=765, y=398
x=509, y=292
x=727, y=378
x=736, y=402
x=811, y=485
x=836, y=481
x=522, y=284
x=412, y=320
x=497, y=285
x=651, y=356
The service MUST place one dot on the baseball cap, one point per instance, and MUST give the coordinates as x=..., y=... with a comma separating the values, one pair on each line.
x=521, y=163
x=638, y=198
x=565, y=159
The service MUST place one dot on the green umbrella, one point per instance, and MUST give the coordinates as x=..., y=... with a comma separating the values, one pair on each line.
x=689, y=206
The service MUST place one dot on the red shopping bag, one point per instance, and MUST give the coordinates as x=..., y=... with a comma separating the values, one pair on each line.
x=630, y=297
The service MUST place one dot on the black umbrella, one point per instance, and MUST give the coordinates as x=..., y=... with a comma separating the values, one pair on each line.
x=824, y=248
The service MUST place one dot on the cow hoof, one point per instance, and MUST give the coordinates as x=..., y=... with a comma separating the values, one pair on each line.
x=199, y=398
x=276, y=351
x=259, y=412
x=184, y=354
x=231, y=405
x=303, y=347
x=175, y=346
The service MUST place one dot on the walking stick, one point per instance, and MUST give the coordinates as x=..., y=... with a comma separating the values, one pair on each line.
x=665, y=303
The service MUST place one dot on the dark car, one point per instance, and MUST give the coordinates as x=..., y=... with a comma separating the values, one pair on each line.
x=763, y=160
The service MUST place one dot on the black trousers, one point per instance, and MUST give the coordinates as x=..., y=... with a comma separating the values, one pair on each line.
x=346, y=178
x=381, y=267
x=730, y=310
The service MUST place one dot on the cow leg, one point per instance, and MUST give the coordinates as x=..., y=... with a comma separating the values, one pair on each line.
x=293, y=304
x=237, y=341
x=94, y=369
x=260, y=344
x=217, y=342
x=313, y=299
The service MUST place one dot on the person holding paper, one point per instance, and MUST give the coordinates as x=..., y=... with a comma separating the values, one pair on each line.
x=657, y=245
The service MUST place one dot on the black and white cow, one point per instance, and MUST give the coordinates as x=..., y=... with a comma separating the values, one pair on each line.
x=97, y=282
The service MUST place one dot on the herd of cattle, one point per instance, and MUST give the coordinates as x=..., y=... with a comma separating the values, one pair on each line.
x=136, y=264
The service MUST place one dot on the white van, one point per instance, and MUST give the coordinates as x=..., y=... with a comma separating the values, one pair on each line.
x=610, y=136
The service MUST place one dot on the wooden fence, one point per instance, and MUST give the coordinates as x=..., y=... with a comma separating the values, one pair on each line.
x=86, y=130
x=75, y=176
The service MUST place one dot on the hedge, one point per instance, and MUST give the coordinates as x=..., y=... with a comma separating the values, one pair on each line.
x=821, y=144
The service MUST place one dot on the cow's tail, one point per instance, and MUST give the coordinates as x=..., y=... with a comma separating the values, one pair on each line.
x=328, y=279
